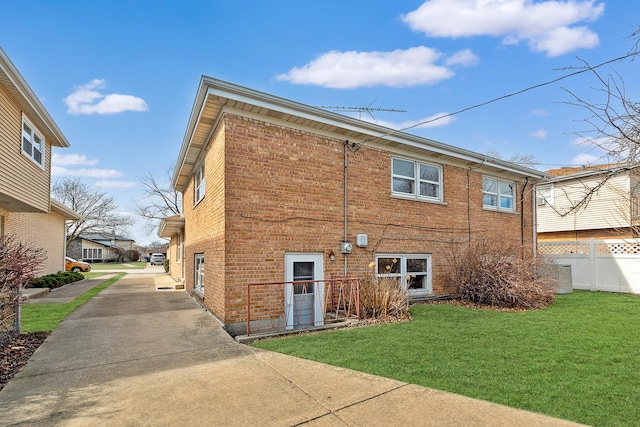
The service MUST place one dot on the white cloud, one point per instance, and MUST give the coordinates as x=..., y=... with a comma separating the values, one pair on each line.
x=564, y=40
x=116, y=184
x=465, y=58
x=541, y=134
x=85, y=173
x=399, y=68
x=72, y=159
x=440, y=119
x=88, y=100
x=584, y=159
x=540, y=113
x=545, y=26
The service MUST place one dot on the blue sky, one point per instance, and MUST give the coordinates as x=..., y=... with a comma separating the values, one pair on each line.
x=120, y=77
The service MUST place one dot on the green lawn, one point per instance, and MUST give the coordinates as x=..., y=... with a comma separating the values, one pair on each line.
x=118, y=266
x=93, y=275
x=45, y=317
x=578, y=359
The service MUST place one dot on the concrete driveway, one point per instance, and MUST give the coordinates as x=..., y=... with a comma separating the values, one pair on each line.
x=138, y=356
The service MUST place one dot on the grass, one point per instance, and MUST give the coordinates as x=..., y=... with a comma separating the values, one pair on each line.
x=577, y=360
x=92, y=275
x=45, y=317
x=119, y=266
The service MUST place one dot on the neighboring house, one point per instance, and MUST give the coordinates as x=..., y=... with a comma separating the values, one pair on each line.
x=599, y=202
x=27, y=135
x=99, y=247
x=172, y=228
x=275, y=191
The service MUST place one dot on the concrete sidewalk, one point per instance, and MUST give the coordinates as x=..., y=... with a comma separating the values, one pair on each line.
x=138, y=356
x=64, y=294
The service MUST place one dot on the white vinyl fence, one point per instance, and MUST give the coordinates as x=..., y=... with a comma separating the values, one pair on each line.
x=599, y=265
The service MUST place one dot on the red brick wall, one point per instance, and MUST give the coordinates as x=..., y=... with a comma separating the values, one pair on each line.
x=204, y=228
x=283, y=192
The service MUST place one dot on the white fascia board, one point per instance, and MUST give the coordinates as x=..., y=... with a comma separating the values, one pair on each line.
x=225, y=90
x=194, y=118
x=248, y=96
x=29, y=97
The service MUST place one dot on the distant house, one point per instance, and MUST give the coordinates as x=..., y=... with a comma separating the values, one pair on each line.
x=27, y=136
x=172, y=228
x=99, y=247
x=274, y=191
x=599, y=202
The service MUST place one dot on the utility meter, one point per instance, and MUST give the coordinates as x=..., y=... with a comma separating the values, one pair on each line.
x=346, y=248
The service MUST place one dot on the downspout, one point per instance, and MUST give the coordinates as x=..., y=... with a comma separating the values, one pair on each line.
x=526, y=181
x=346, y=204
x=534, y=217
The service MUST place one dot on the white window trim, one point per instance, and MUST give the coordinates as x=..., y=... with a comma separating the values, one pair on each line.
x=178, y=248
x=198, y=290
x=541, y=199
x=402, y=275
x=417, y=181
x=43, y=144
x=497, y=207
x=199, y=185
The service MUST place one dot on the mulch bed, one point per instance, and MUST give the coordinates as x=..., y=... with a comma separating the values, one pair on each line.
x=16, y=353
x=474, y=305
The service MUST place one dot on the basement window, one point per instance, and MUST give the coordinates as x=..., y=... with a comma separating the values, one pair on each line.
x=412, y=270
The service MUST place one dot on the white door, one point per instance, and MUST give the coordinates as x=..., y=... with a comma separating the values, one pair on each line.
x=303, y=301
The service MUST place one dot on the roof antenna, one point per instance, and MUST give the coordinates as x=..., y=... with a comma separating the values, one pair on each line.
x=369, y=110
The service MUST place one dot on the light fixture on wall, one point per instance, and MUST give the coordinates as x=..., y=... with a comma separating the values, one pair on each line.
x=332, y=255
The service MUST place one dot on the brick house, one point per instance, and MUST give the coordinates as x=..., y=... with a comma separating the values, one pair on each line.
x=27, y=135
x=99, y=247
x=597, y=202
x=275, y=191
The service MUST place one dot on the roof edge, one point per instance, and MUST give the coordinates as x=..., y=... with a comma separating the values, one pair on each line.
x=239, y=93
x=12, y=73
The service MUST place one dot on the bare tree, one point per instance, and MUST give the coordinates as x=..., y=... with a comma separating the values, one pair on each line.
x=96, y=209
x=613, y=123
x=519, y=159
x=160, y=200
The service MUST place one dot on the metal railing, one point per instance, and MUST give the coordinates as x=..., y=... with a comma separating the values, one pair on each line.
x=279, y=306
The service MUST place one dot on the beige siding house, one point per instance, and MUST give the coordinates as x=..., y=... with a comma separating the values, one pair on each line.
x=600, y=202
x=278, y=191
x=172, y=228
x=27, y=135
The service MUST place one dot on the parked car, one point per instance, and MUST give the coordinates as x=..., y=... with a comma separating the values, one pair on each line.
x=71, y=264
x=157, y=259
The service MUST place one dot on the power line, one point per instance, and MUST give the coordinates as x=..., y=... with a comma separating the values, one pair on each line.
x=482, y=104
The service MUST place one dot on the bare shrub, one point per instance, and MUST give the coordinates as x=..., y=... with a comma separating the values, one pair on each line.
x=19, y=264
x=131, y=256
x=383, y=298
x=500, y=274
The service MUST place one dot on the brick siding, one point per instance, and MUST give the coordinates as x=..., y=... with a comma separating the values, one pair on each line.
x=272, y=190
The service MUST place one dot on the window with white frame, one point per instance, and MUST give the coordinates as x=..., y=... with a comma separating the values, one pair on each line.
x=544, y=195
x=178, y=250
x=413, y=271
x=498, y=194
x=92, y=253
x=415, y=179
x=32, y=143
x=198, y=185
x=198, y=284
